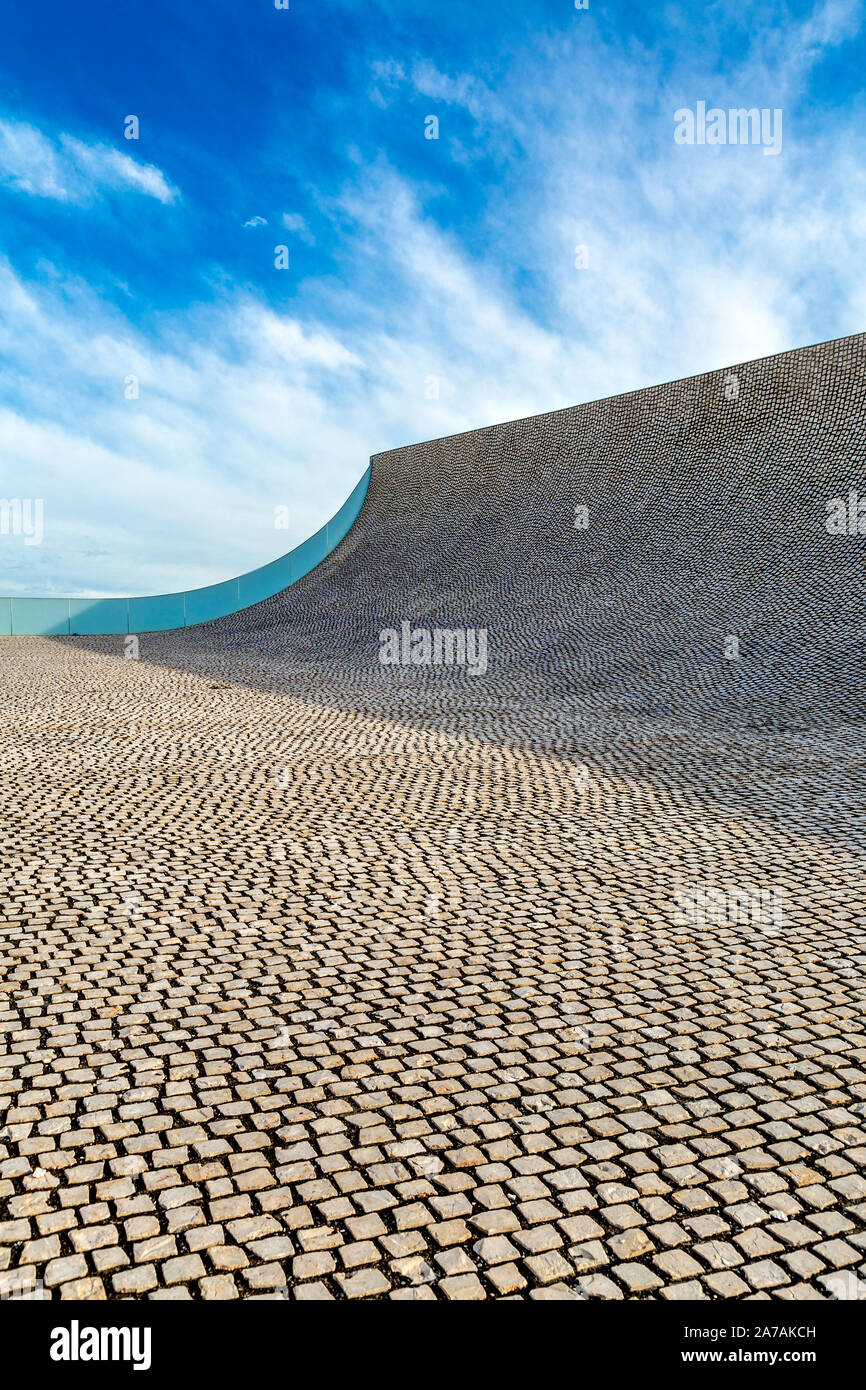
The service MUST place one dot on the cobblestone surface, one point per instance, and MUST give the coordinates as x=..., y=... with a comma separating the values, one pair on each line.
x=329, y=980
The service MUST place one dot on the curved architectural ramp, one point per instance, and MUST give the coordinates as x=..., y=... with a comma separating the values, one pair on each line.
x=52, y=617
x=661, y=553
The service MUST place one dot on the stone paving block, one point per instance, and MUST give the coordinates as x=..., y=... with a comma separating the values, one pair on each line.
x=269, y=1276
x=63, y=1270
x=555, y=1293
x=109, y=1258
x=689, y=1292
x=630, y=1245
x=183, y=1269
x=548, y=1267
x=765, y=1274
x=494, y=1250
x=446, y=1233
x=313, y=1293
x=360, y=1252
x=637, y=1278
x=314, y=1265
x=415, y=1268
x=677, y=1264
x=227, y=1257
x=803, y=1263
x=84, y=1290
x=598, y=1286
x=218, y=1287
x=134, y=1281
x=836, y=1253
x=367, y=1283
x=463, y=1288
x=506, y=1279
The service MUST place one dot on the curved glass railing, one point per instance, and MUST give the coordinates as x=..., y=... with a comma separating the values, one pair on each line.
x=53, y=617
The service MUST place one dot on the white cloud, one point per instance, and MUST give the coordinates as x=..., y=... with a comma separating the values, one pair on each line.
x=466, y=90
x=177, y=487
x=387, y=76
x=30, y=164
x=294, y=222
x=71, y=171
x=256, y=222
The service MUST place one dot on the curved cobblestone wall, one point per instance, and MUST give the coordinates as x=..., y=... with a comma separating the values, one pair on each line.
x=706, y=518
x=537, y=974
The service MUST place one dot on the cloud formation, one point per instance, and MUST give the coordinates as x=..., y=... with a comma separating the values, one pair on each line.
x=70, y=171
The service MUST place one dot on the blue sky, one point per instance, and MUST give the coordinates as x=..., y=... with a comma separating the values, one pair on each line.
x=432, y=284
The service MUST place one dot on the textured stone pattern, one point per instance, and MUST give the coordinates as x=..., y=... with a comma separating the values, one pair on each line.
x=329, y=980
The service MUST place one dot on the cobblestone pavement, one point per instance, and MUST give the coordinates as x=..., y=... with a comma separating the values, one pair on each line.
x=329, y=980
